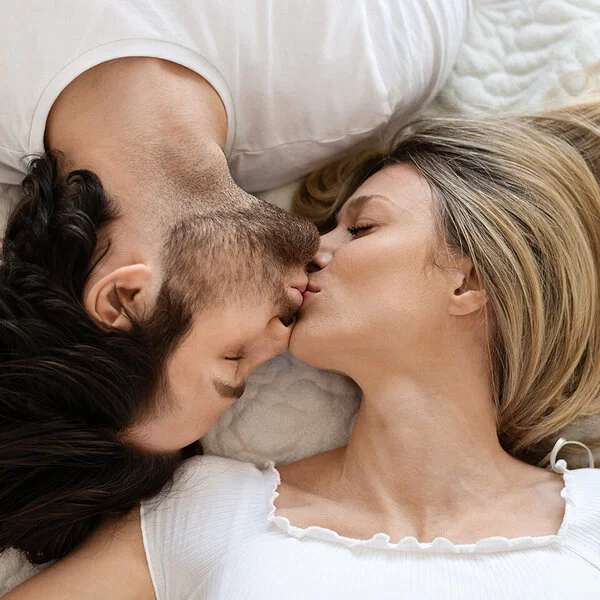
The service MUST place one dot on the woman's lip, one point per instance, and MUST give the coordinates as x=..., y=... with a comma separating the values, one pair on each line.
x=308, y=293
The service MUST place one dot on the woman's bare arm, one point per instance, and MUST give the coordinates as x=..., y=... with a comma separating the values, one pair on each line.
x=110, y=564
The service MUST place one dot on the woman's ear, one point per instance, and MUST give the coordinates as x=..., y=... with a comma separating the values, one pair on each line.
x=126, y=290
x=467, y=295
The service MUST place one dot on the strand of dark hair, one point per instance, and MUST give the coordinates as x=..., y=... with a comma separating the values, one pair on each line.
x=68, y=388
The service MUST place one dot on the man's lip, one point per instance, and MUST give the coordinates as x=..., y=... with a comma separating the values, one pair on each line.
x=301, y=287
x=298, y=294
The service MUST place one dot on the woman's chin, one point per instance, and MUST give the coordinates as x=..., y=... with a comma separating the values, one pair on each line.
x=305, y=346
x=297, y=345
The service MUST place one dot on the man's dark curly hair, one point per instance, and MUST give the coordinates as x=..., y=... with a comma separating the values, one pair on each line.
x=69, y=388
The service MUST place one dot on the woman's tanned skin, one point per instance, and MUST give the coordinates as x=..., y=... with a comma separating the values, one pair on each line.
x=119, y=568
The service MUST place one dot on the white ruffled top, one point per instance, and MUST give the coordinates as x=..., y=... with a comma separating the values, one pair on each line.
x=217, y=535
x=439, y=544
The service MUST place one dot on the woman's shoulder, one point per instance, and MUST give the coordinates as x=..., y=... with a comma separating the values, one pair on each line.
x=214, y=474
x=582, y=518
x=582, y=490
x=207, y=486
x=213, y=505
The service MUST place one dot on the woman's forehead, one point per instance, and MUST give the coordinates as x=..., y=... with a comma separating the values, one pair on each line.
x=399, y=186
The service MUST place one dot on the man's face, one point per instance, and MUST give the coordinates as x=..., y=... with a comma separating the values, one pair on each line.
x=239, y=269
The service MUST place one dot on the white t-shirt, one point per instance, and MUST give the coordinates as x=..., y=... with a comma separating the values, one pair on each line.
x=216, y=536
x=301, y=80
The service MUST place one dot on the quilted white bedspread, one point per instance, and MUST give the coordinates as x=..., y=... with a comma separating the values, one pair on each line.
x=518, y=55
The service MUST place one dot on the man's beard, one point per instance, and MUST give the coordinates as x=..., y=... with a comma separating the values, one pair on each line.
x=221, y=255
x=239, y=253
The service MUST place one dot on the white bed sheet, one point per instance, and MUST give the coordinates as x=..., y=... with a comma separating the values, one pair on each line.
x=518, y=55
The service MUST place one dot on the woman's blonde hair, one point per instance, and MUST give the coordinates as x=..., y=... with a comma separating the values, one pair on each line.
x=520, y=196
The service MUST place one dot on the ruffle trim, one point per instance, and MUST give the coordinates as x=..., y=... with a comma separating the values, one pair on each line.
x=382, y=541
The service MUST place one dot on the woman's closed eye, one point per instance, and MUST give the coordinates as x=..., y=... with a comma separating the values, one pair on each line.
x=357, y=229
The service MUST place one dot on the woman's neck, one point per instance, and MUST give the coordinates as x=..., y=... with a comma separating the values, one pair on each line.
x=416, y=447
x=424, y=449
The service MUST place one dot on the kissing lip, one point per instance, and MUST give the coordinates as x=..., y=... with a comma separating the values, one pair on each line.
x=311, y=288
x=298, y=295
x=301, y=287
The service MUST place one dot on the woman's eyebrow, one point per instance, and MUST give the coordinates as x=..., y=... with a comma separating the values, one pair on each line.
x=354, y=205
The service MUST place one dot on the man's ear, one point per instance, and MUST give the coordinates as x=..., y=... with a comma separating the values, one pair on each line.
x=122, y=291
x=467, y=295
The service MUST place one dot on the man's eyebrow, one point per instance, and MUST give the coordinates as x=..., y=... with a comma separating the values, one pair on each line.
x=229, y=390
x=355, y=204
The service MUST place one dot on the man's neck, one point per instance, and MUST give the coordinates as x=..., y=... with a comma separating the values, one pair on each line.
x=127, y=118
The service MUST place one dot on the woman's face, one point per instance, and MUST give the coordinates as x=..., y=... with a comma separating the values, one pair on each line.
x=378, y=291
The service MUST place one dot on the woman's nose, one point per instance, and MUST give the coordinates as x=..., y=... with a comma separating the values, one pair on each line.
x=322, y=258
